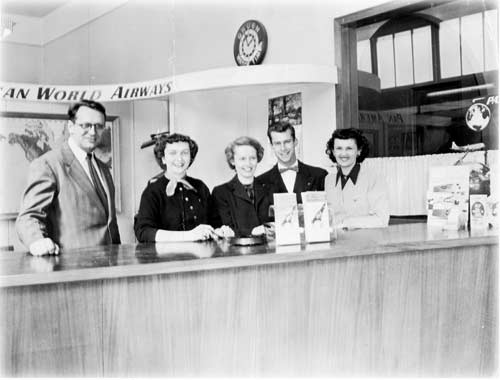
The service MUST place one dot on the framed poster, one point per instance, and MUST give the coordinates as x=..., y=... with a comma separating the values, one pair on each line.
x=288, y=108
x=26, y=136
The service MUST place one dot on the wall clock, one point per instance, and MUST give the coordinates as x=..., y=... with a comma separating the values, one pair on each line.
x=250, y=43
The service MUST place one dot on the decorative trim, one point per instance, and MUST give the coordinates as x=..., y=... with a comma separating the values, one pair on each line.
x=164, y=87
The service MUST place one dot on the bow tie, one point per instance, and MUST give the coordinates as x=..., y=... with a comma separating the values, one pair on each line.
x=294, y=168
x=172, y=184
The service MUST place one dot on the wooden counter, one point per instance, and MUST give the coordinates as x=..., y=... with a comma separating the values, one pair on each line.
x=405, y=301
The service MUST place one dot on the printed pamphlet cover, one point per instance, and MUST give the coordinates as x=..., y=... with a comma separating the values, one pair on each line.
x=492, y=211
x=316, y=216
x=439, y=205
x=478, y=211
x=492, y=200
x=479, y=172
x=448, y=196
x=286, y=219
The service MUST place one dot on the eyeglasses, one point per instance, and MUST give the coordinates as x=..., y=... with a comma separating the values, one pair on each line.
x=87, y=126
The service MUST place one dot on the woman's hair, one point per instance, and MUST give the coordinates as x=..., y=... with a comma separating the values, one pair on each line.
x=346, y=134
x=242, y=141
x=163, y=140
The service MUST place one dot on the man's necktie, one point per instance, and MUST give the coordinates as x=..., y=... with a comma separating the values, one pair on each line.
x=294, y=168
x=99, y=188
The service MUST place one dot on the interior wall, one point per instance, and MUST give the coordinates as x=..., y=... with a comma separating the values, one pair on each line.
x=212, y=119
x=318, y=121
x=141, y=41
x=298, y=31
x=215, y=118
x=20, y=63
x=132, y=43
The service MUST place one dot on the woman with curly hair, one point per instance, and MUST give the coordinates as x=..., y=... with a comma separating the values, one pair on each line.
x=357, y=196
x=243, y=202
x=174, y=206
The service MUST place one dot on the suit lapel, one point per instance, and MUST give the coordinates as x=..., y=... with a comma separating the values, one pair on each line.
x=302, y=180
x=75, y=170
x=260, y=190
x=280, y=185
x=109, y=184
x=238, y=190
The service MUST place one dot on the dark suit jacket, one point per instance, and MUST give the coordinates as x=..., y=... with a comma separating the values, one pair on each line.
x=60, y=202
x=236, y=209
x=309, y=178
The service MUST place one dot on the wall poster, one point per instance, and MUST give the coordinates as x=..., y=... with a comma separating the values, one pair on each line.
x=288, y=108
x=26, y=136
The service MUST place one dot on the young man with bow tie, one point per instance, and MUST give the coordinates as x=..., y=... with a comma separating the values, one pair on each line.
x=289, y=174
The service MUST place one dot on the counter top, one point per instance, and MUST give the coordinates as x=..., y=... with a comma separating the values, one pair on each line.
x=106, y=262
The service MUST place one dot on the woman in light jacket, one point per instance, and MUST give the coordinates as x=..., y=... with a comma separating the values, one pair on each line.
x=357, y=196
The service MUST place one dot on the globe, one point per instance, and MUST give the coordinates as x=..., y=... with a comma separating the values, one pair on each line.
x=478, y=117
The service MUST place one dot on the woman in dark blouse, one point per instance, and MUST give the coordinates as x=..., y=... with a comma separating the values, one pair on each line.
x=243, y=202
x=174, y=206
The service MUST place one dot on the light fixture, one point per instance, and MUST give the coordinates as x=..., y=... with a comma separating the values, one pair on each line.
x=6, y=27
x=460, y=90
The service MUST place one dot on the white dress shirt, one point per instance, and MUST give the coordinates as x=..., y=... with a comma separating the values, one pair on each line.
x=289, y=176
x=81, y=156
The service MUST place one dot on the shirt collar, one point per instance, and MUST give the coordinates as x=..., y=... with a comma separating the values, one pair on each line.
x=79, y=153
x=353, y=174
x=244, y=185
x=281, y=166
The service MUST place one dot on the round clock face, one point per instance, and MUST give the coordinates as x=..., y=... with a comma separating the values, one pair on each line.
x=250, y=43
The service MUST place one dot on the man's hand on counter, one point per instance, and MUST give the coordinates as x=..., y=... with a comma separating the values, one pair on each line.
x=44, y=246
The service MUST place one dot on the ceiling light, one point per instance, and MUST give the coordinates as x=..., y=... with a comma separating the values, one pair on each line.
x=460, y=90
x=6, y=27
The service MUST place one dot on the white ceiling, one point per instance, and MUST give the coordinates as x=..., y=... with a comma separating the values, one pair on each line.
x=37, y=22
x=30, y=8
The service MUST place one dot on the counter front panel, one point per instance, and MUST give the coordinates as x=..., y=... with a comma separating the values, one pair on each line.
x=401, y=301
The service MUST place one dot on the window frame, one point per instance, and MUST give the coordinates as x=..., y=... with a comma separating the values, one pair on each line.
x=346, y=89
x=346, y=93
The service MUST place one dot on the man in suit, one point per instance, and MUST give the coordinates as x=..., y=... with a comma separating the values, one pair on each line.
x=69, y=201
x=289, y=174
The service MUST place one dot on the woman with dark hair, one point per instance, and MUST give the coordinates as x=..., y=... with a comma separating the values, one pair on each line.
x=243, y=202
x=358, y=197
x=174, y=206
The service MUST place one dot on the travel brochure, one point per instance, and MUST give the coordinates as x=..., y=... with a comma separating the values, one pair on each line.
x=492, y=201
x=448, y=197
x=316, y=216
x=479, y=213
x=286, y=218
